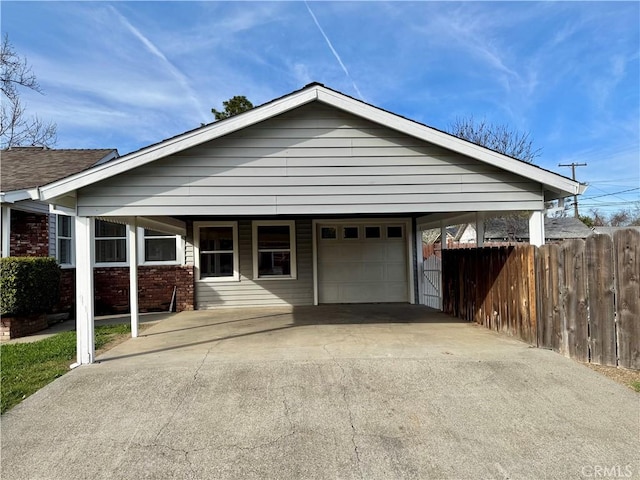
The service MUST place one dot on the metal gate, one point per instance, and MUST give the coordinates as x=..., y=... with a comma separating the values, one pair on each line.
x=432, y=282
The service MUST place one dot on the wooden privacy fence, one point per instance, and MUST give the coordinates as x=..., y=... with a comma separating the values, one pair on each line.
x=580, y=298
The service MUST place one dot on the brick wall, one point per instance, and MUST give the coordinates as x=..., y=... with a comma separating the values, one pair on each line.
x=155, y=289
x=29, y=234
x=14, y=327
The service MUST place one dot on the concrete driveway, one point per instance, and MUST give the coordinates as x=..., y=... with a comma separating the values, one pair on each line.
x=374, y=392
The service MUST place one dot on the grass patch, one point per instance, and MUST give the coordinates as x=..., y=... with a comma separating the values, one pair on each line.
x=635, y=385
x=27, y=367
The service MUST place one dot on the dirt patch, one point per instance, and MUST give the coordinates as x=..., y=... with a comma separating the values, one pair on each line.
x=118, y=339
x=620, y=375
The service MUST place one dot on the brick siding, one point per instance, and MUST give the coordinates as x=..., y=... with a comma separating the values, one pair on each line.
x=155, y=289
x=29, y=234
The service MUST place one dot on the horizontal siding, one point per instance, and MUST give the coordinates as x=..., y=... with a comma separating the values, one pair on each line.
x=250, y=292
x=314, y=156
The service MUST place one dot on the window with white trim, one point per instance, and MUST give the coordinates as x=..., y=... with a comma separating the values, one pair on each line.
x=217, y=258
x=111, y=242
x=274, y=249
x=160, y=247
x=64, y=240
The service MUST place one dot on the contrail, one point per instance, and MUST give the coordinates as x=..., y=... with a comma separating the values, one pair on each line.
x=333, y=50
x=179, y=76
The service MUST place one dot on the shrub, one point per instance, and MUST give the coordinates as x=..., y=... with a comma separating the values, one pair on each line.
x=28, y=285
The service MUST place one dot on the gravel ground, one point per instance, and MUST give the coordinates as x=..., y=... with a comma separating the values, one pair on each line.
x=620, y=375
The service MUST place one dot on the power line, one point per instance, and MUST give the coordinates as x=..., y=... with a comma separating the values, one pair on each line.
x=614, y=193
x=573, y=166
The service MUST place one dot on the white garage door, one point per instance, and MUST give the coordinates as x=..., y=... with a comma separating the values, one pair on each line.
x=362, y=263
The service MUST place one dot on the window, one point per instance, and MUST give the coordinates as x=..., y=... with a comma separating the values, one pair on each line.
x=64, y=234
x=328, y=233
x=274, y=250
x=350, y=233
x=217, y=251
x=159, y=247
x=371, y=232
x=111, y=242
x=394, y=231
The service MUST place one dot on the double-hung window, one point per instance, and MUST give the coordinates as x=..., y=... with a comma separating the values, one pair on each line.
x=111, y=243
x=64, y=242
x=274, y=249
x=160, y=247
x=217, y=256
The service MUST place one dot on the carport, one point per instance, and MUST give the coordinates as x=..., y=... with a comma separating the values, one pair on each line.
x=312, y=198
x=315, y=392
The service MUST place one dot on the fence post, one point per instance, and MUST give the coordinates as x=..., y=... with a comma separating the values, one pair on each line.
x=627, y=256
x=600, y=284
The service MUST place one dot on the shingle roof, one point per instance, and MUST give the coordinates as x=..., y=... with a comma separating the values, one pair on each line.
x=610, y=230
x=22, y=168
x=517, y=228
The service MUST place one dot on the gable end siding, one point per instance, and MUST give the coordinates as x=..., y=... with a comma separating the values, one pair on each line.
x=313, y=160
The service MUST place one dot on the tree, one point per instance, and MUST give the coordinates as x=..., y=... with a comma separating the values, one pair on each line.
x=15, y=127
x=500, y=138
x=625, y=217
x=233, y=106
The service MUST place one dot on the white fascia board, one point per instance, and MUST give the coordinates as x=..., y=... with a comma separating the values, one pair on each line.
x=177, y=144
x=20, y=195
x=447, y=141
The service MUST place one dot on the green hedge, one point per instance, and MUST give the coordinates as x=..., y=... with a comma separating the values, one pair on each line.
x=28, y=285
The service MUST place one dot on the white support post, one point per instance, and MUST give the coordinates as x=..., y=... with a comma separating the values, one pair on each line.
x=84, y=292
x=133, y=277
x=443, y=237
x=420, y=261
x=536, y=228
x=6, y=231
x=479, y=230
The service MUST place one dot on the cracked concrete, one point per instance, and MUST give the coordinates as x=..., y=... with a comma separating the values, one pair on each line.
x=376, y=392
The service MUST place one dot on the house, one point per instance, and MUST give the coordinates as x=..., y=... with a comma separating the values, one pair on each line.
x=29, y=229
x=611, y=230
x=514, y=229
x=314, y=197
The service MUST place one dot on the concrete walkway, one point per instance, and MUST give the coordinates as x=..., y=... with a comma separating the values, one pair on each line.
x=375, y=392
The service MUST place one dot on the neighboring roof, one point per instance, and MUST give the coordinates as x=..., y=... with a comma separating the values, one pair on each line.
x=610, y=230
x=24, y=168
x=556, y=186
x=513, y=227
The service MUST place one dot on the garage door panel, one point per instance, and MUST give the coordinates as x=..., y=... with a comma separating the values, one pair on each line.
x=396, y=272
x=374, y=272
x=396, y=253
x=362, y=270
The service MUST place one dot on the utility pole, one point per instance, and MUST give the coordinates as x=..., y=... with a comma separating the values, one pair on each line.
x=573, y=166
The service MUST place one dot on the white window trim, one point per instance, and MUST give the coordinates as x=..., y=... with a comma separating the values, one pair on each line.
x=72, y=263
x=141, y=248
x=360, y=232
x=196, y=252
x=292, y=248
x=95, y=240
x=380, y=231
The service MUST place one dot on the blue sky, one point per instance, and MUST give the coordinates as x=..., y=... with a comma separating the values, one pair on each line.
x=127, y=74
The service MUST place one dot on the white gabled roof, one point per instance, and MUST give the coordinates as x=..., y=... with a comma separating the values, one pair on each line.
x=313, y=92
